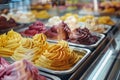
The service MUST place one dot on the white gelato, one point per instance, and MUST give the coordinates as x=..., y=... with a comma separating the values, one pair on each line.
x=72, y=22
x=54, y=21
x=21, y=17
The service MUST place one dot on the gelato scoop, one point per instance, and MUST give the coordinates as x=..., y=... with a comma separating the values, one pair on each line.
x=7, y=22
x=54, y=21
x=20, y=70
x=9, y=42
x=60, y=31
x=3, y=65
x=35, y=28
x=82, y=36
x=58, y=57
x=72, y=22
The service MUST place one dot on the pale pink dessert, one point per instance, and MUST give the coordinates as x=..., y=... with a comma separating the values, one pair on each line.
x=20, y=70
x=3, y=66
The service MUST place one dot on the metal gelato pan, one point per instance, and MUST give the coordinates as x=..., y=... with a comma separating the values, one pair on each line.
x=101, y=37
x=83, y=51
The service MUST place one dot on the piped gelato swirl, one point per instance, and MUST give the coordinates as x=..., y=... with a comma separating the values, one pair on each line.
x=9, y=42
x=27, y=43
x=23, y=53
x=13, y=40
x=82, y=36
x=3, y=40
x=54, y=21
x=58, y=57
x=40, y=40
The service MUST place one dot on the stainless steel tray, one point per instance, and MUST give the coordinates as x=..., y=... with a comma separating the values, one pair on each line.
x=82, y=45
x=49, y=76
x=69, y=71
x=92, y=45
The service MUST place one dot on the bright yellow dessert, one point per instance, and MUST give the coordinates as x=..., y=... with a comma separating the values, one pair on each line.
x=14, y=39
x=31, y=48
x=9, y=42
x=105, y=20
x=58, y=57
x=40, y=41
x=101, y=20
x=23, y=53
x=27, y=43
x=64, y=17
x=5, y=52
x=84, y=18
x=3, y=40
x=40, y=45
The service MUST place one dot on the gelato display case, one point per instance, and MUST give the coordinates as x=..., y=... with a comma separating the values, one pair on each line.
x=69, y=45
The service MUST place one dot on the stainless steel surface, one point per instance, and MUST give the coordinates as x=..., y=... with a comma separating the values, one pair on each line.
x=99, y=69
x=87, y=53
x=114, y=73
x=49, y=76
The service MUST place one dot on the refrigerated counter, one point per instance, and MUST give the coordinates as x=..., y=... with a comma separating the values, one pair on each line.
x=106, y=66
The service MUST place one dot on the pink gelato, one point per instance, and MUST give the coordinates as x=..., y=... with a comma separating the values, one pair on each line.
x=20, y=70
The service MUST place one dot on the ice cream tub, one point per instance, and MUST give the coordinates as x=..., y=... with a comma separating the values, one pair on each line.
x=82, y=51
x=49, y=76
x=101, y=37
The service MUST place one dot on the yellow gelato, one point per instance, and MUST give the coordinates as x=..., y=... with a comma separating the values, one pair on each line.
x=23, y=53
x=27, y=43
x=58, y=57
x=64, y=17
